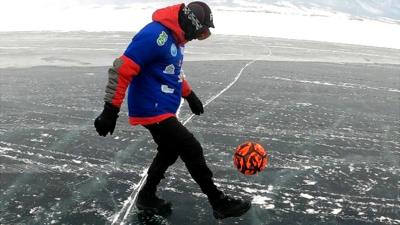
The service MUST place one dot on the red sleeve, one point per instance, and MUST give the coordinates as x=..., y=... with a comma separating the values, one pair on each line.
x=186, y=88
x=119, y=78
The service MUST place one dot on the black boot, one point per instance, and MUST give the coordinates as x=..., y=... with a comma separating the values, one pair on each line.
x=150, y=203
x=226, y=206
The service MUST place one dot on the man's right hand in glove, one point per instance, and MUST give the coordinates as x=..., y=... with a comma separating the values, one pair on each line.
x=107, y=120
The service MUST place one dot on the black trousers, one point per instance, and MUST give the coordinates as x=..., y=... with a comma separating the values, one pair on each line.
x=174, y=140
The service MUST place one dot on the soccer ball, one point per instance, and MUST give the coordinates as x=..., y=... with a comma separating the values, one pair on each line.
x=250, y=158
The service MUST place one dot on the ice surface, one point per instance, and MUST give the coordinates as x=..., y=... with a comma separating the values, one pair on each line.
x=334, y=149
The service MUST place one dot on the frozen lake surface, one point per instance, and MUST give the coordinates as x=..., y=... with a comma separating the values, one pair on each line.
x=328, y=114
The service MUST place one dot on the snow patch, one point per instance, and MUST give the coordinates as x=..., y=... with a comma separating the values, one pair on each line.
x=336, y=211
x=77, y=161
x=384, y=219
x=340, y=85
x=351, y=167
x=197, y=194
x=36, y=210
x=305, y=104
x=307, y=196
x=311, y=211
x=310, y=182
x=260, y=200
x=340, y=200
x=263, y=202
x=250, y=190
x=269, y=206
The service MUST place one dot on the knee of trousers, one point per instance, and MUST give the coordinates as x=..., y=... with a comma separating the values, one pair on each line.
x=195, y=162
x=190, y=147
x=191, y=153
x=167, y=155
x=171, y=159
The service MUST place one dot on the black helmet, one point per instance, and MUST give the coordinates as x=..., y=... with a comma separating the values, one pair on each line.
x=195, y=18
x=202, y=12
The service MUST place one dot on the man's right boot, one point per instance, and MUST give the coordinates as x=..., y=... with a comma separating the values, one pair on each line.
x=149, y=202
x=225, y=206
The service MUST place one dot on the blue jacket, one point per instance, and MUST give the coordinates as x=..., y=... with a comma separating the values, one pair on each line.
x=151, y=67
x=158, y=88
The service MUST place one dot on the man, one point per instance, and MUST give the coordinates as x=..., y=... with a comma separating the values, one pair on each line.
x=151, y=67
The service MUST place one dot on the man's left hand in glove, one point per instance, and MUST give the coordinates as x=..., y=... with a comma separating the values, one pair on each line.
x=194, y=103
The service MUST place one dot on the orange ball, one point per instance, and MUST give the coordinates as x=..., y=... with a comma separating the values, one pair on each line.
x=250, y=158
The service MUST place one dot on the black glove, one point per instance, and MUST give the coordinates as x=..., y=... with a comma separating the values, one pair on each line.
x=107, y=120
x=194, y=103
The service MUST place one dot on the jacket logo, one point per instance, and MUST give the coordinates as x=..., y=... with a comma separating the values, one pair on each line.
x=166, y=89
x=174, y=50
x=170, y=69
x=162, y=38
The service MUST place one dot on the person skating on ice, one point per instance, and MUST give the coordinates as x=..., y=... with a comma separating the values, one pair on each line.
x=150, y=69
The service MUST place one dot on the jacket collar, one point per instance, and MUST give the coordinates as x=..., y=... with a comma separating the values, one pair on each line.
x=169, y=17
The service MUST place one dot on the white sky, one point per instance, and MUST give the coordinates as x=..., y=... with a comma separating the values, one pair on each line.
x=285, y=22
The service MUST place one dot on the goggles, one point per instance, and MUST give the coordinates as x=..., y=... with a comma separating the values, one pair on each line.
x=203, y=33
